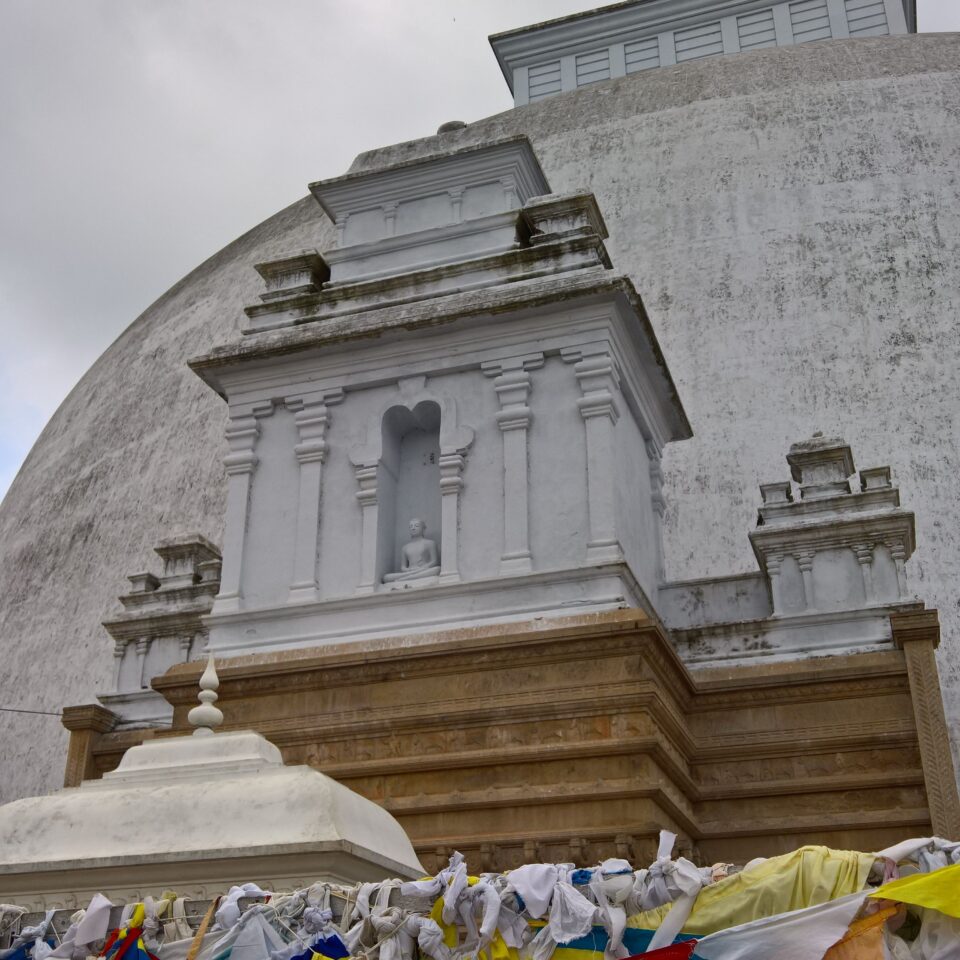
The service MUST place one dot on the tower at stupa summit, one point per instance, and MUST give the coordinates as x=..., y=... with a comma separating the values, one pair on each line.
x=511, y=475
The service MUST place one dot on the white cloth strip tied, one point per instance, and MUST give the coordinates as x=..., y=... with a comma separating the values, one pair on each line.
x=678, y=881
x=611, y=884
x=206, y=716
x=28, y=934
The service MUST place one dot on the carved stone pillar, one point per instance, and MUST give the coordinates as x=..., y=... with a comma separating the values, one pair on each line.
x=311, y=420
x=864, y=552
x=87, y=723
x=451, y=483
x=773, y=572
x=119, y=649
x=805, y=562
x=899, y=554
x=599, y=382
x=240, y=462
x=186, y=644
x=512, y=385
x=143, y=645
x=917, y=633
x=366, y=474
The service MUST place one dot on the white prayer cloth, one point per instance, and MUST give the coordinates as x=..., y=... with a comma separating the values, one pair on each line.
x=513, y=928
x=535, y=883
x=612, y=916
x=798, y=935
x=433, y=886
x=430, y=940
x=229, y=912
x=396, y=933
x=40, y=949
x=677, y=881
x=571, y=914
x=938, y=939
x=250, y=938
x=456, y=884
x=90, y=926
x=929, y=853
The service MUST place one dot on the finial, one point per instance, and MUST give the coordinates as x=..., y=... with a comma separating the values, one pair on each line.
x=206, y=716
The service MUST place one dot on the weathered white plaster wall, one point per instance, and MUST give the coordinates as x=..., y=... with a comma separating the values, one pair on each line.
x=790, y=217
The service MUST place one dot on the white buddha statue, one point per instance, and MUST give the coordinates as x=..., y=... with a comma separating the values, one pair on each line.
x=419, y=558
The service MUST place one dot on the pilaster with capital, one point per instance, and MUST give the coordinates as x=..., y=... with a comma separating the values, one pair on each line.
x=773, y=574
x=898, y=552
x=512, y=384
x=805, y=563
x=240, y=462
x=917, y=633
x=864, y=554
x=366, y=474
x=143, y=646
x=119, y=649
x=599, y=381
x=451, y=483
x=312, y=420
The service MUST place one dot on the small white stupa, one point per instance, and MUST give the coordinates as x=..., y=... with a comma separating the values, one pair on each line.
x=198, y=813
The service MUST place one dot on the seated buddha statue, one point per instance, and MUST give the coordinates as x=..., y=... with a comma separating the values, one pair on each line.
x=419, y=558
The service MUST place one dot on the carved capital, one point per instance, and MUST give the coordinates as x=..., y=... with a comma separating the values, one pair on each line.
x=599, y=379
x=914, y=625
x=366, y=475
x=451, y=468
x=805, y=561
x=864, y=552
x=512, y=385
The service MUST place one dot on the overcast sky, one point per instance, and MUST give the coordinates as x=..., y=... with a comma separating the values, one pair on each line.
x=141, y=136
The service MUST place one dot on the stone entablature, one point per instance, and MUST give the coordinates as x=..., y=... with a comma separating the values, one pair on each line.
x=571, y=52
x=161, y=625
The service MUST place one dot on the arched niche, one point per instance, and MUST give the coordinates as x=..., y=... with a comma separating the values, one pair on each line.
x=408, y=483
x=410, y=466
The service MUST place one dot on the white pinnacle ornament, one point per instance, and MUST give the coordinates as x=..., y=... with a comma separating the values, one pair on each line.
x=206, y=716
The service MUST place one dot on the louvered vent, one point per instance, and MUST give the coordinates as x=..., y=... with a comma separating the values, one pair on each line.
x=642, y=54
x=544, y=80
x=866, y=18
x=693, y=43
x=756, y=30
x=810, y=21
x=592, y=67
